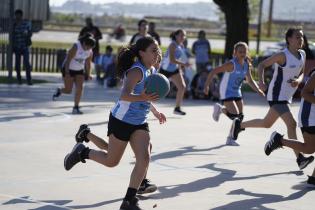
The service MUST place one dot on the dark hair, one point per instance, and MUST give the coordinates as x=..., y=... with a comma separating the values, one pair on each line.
x=109, y=48
x=175, y=33
x=290, y=33
x=142, y=21
x=201, y=33
x=87, y=39
x=18, y=12
x=127, y=55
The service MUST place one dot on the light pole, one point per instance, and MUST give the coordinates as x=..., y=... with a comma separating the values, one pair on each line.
x=259, y=27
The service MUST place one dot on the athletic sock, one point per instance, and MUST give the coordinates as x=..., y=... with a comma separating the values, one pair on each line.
x=131, y=193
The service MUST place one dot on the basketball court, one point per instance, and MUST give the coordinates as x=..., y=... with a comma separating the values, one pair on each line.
x=191, y=164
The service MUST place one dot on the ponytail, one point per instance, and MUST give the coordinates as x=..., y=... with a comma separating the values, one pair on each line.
x=127, y=56
x=125, y=59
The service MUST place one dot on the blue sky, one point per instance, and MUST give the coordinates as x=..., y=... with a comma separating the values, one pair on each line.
x=60, y=2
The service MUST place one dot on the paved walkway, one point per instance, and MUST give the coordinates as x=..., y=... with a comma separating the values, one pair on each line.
x=190, y=162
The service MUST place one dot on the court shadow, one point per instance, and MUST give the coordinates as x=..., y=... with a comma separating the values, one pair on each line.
x=56, y=204
x=46, y=204
x=260, y=199
x=225, y=175
x=182, y=151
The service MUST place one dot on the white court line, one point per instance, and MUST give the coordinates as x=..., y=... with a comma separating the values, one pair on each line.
x=34, y=201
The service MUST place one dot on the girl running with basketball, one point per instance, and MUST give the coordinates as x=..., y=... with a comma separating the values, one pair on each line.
x=235, y=71
x=78, y=57
x=288, y=74
x=172, y=67
x=306, y=123
x=127, y=120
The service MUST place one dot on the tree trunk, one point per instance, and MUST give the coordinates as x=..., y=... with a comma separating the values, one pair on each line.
x=236, y=18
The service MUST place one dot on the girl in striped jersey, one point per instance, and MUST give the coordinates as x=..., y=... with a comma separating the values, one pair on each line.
x=288, y=74
x=235, y=71
x=306, y=123
x=127, y=120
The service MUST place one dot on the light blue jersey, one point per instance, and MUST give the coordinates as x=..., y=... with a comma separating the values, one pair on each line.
x=231, y=82
x=166, y=64
x=134, y=113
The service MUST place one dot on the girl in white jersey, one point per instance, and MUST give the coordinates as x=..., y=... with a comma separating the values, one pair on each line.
x=79, y=57
x=172, y=67
x=306, y=123
x=288, y=74
x=235, y=71
x=127, y=120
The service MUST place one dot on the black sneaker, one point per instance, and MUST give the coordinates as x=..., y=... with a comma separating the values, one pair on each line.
x=178, y=111
x=146, y=187
x=304, y=161
x=235, y=129
x=76, y=110
x=274, y=143
x=82, y=133
x=130, y=205
x=74, y=156
x=311, y=181
x=56, y=94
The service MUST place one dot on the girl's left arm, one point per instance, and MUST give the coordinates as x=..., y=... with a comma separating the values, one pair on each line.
x=160, y=116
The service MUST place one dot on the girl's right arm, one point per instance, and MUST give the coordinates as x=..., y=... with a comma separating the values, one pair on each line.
x=308, y=90
x=278, y=58
x=132, y=78
x=220, y=69
x=70, y=56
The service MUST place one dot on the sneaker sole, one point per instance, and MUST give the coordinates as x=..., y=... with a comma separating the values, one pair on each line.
x=266, y=145
x=67, y=156
x=147, y=190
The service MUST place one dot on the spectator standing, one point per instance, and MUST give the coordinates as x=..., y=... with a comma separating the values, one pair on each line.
x=142, y=31
x=153, y=33
x=96, y=33
x=201, y=49
x=22, y=33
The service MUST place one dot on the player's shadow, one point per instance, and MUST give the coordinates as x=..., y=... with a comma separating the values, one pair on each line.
x=260, y=199
x=183, y=151
x=34, y=115
x=46, y=204
x=56, y=204
x=225, y=175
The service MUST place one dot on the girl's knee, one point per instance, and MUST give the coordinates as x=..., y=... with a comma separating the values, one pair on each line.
x=67, y=91
x=267, y=124
x=112, y=163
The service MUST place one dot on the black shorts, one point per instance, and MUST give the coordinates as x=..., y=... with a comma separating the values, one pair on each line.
x=72, y=73
x=310, y=130
x=232, y=99
x=167, y=73
x=123, y=130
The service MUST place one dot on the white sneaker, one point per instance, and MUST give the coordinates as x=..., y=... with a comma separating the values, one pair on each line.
x=231, y=142
x=217, y=110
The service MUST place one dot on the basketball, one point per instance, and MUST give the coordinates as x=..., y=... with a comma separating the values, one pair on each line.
x=157, y=83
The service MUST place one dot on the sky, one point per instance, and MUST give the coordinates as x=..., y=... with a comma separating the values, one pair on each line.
x=60, y=2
